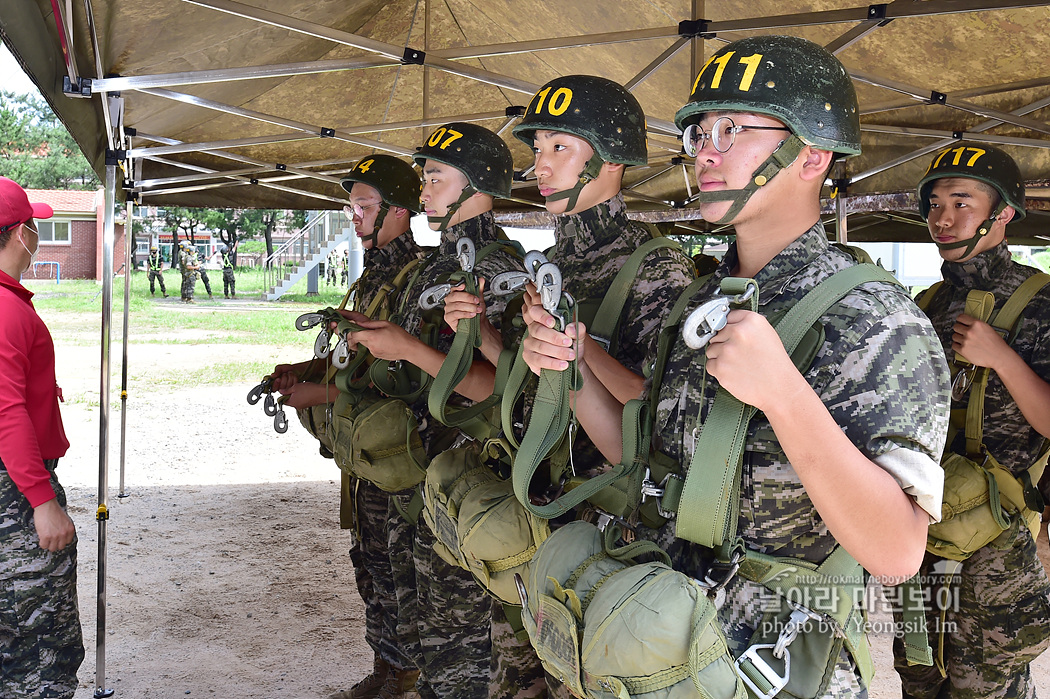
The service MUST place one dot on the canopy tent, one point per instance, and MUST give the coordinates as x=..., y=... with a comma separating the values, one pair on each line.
x=266, y=103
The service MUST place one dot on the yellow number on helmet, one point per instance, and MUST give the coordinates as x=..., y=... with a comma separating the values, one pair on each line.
x=364, y=165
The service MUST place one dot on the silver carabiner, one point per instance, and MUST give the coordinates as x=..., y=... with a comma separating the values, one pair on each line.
x=506, y=283
x=309, y=320
x=280, y=422
x=548, y=283
x=962, y=381
x=705, y=321
x=321, y=348
x=341, y=354
x=432, y=297
x=466, y=254
x=533, y=260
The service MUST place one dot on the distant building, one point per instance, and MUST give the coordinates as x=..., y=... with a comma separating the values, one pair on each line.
x=71, y=240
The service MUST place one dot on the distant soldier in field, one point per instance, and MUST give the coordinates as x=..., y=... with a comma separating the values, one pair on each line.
x=188, y=265
x=228, y=280
x=329, y=267
x=201, y=271
x=344, y=268
x=154, y=265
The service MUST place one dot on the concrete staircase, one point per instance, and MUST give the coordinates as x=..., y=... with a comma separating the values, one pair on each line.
x=304, y=251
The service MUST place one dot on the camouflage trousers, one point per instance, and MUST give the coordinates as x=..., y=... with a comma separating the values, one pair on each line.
x=516, y=672
x=228, y=282
x=156, y=275
x=996, y=622
x=189, y=281
x=372, y=572
x=41, y=646
x=447, y=610
x=207, y=282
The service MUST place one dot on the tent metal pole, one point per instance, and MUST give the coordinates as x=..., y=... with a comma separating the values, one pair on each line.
x=957, y=135
x=990, y=124
x=218, y=75
x=129, y=247
x=248, y=171
x=570, y=42
x=102, y=513
x=971, y=92
x=853, y=36
x=656, y=63
x=925, y=96
x=278, y=121
x=426, y=69
x=62, y=28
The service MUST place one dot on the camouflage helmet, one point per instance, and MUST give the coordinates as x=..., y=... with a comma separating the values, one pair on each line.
x=475, y=151
x=600, y=111
x=975, y=161
x=394, y=179
x=794, y=80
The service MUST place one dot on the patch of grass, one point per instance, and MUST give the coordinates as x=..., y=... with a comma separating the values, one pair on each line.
x=218, y=373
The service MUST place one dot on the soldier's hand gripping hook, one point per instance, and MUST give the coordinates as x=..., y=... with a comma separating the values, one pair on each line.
x=433, y=296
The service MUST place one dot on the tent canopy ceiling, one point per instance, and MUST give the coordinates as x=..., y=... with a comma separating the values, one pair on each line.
x=266, y=103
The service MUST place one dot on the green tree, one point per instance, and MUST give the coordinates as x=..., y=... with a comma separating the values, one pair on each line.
x=36, y=150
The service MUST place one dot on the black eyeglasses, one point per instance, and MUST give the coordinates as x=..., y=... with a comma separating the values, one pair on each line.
x=723, y=135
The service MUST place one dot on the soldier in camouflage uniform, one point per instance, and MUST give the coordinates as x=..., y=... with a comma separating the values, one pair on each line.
x=40, y=638
x=601, y=131
x=188, y=267
x=852, y=440
x=452, y=611
x=202, y=271
x=154, y=265
x=229, y=282
x=1001, y=622
x=329, y=269
x=389, y=247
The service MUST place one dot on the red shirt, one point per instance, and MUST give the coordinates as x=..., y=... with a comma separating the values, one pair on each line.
x=30, y=423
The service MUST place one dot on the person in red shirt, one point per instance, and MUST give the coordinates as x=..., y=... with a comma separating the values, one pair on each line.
x=41, y=646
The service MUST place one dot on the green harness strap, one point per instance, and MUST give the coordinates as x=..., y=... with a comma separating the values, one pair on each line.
x=708, y=508
x=551, y=410
x=459, y=360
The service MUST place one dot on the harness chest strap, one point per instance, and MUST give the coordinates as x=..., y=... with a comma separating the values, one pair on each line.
x=552, y=408
x=459, y=359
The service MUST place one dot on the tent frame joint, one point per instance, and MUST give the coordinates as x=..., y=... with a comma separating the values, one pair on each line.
x=695, y=29
x=413, y=57
x=81, y=88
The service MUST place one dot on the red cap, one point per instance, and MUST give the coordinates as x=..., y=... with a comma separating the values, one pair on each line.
x=15, y=207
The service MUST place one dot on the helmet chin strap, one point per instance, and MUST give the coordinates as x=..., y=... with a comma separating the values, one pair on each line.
x=384, y=209
x=442, y=221
x=590, y=172
x=971, y=243
x=779, y=159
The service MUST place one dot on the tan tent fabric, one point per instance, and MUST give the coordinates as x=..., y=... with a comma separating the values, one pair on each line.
x=983, y=58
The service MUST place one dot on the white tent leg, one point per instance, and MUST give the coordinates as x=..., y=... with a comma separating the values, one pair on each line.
x=102, y=513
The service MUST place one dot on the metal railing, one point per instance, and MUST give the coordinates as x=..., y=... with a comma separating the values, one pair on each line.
x=303, y=245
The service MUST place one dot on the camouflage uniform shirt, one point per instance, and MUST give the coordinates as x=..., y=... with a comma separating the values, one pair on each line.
x=590, y=249
x=382, y=265
x=437, y=268
x=880, y=372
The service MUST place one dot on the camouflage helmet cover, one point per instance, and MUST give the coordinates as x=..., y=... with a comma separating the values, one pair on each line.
x=481, y=155
x=598, y=110
x=975, y=161
x=394, y=179
x=791, y=79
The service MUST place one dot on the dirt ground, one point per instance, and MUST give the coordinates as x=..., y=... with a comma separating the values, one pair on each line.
x=227, y=574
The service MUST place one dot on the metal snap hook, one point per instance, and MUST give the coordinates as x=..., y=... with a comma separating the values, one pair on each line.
x=506, y=283
x=548, y=282
x=255, y=395
x=280, y=422
x=705, y=321
x=533, y=260
x=321, y=348
x=309, y=320
x=432, y=297
x=466, y=253
x=341, y=354
x=270, y=405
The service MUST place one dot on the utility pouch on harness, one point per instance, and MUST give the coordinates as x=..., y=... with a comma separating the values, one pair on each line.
x=981, y=498
x=316, y=421
x=377, y=439
x=607, y=627
x=477, y=523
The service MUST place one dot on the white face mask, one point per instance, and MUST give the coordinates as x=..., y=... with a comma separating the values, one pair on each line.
x=21, y=239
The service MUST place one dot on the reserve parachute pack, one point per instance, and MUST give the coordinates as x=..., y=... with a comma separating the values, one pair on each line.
x=704, y=502
x=605, y=626
x=485, y=529
x=981, y=498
